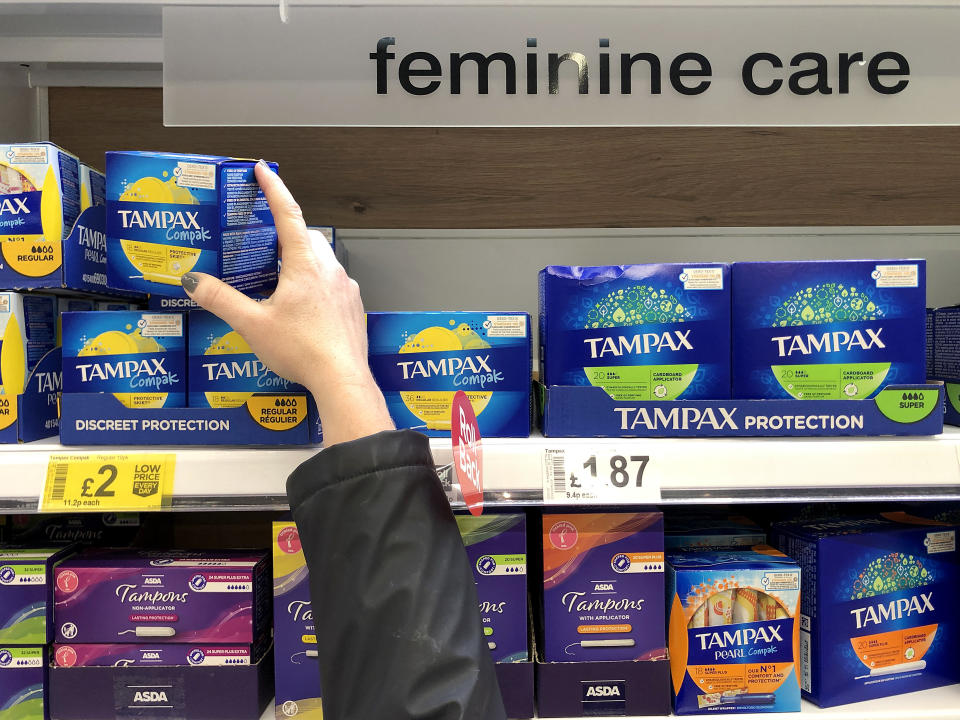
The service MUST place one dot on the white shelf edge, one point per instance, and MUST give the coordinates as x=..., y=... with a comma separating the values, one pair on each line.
x=709, y=470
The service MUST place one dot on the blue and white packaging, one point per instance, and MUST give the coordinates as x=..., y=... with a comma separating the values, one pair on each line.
x=827, y=330
x=222, y=369
x=169, y=213
x=421, y=359
x=640, y=332
x=139, y=357
x=878, y=605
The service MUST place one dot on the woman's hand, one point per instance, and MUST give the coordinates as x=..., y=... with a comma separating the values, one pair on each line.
x=312, y=329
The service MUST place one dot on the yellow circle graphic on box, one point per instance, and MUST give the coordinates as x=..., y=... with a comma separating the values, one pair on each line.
x=157, y=262
x=117, y=342
x=8, y=409
x=277, y=412
x=433, y=406
x=230, y=344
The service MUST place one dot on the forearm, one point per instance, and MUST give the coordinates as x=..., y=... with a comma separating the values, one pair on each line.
x=393, y=594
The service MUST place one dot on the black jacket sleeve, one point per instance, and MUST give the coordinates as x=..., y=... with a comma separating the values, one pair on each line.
x=394, y=602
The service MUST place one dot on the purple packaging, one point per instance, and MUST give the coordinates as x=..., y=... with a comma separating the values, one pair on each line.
x=603, y=587
x=167, y=655
x=296, y=666
x=497, y=548
x=110, y=596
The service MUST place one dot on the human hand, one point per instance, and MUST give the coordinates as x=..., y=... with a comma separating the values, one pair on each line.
x=312, y=330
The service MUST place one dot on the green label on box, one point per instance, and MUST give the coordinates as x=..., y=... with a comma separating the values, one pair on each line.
x=907, y=406
x=633, y=383
x=854, y=381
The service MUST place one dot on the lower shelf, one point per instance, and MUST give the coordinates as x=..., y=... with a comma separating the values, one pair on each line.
x=938, y=704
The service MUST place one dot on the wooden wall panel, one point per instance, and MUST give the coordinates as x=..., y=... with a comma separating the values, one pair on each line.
x=579, y=177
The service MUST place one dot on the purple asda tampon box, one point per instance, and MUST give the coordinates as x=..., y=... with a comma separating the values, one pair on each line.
x=159, y=654
x=497, y=549
x=110, y=596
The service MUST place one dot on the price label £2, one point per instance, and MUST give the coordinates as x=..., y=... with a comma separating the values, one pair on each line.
x=108, y=482
x=602, y=477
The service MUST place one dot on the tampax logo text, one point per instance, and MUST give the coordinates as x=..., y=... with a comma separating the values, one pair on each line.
x=145, y=373
x=14, y=206
x=893, y=610
x=470, y=370
x=604, y=71
x=829, y=342
x=235, y=370
x=729, y=645
x=180, y=224
x=640, y=344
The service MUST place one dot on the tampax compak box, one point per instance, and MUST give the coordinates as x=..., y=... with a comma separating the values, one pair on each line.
x=28, y=331
x=23, y=683
x=733, y=629
x=170, y=213
x=603, y=587
x=223, y=370
x=139, y=357
x=497, y=549
x=297, y=669
x=26, y=594
x=39, y=204
x=640, y=332
x=827, y=330
x=111, y=596
x=421, y=359
x=879, y=605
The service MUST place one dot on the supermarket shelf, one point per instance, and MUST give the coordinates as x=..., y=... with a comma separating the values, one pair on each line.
x=937, y=704
x=712, y=470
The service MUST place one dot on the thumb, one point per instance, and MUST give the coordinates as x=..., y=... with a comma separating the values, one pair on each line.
x=230, y=305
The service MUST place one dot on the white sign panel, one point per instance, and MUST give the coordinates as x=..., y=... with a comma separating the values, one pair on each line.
x=542, y=66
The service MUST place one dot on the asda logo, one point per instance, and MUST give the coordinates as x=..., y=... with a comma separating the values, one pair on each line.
x=604, y=697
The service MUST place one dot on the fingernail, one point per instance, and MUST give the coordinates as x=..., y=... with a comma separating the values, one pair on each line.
x=263, y=164
x=189, y=282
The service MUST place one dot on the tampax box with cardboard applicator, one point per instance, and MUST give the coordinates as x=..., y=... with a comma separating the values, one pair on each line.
x=170, y=213
x=827, y=330
x=878, y=605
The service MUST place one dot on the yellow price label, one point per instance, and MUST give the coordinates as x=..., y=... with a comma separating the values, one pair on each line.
x=122, y=482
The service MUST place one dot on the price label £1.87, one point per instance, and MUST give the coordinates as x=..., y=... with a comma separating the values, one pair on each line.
x=108, y=482
x=574, y=476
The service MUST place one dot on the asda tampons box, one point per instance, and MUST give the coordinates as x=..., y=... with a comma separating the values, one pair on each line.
x=733, y=631
x=497, y=550
x=168, y=214
x=878, y=605
x=603, y=587
x=640, y=332
x=827, y=330
x=421, y=359
x=140, y=357
x=39, y=204
x=223, y=371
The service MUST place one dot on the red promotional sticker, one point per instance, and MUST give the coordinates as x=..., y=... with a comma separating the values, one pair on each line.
x=467, y=453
